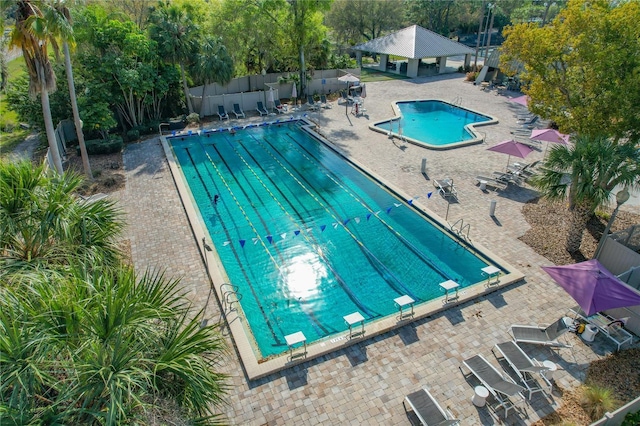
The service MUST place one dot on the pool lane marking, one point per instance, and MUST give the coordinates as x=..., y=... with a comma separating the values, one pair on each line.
x=303, y=232
x=341, y=223
x=320, y=329
x=384, y=222
x=264, y=314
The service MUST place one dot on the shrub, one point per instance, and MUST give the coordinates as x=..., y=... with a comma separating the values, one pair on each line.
x=597, y=400
x=193, y=118
x=471, y=76
x=631, y=419
x=133, y=135
x=104, y=146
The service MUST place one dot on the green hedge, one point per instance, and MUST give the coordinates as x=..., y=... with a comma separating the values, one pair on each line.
x=103, y=146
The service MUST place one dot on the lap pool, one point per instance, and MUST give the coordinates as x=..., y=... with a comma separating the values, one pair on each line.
x=304, y=237
x=434, y=124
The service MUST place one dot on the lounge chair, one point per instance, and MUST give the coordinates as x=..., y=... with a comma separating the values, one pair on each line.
x=446, y=188
x=238, y=111
x=311, y=104
x=528, y=120
x=501, y=386
x=345, y=97
x=498, y=184
x=280, y=107
x=525, y=170
x=323, y=102
x=538, y=335
x=261, y=109
x=523, y=366
x=222, y=113
x=428, y=410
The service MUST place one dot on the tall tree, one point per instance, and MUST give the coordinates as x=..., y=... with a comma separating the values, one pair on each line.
x=306, y=20
x=595, y=165
x=433, y=15
x=176, y=30
x=60, y=12
x=212, y=64
x=34, y=34
x=361, y=20
x=583, y=69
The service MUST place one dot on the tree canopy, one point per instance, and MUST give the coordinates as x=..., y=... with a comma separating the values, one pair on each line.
x=583, y=69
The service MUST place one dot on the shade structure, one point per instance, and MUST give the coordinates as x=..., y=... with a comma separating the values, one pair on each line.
x=593, y=286
x=522, y=100
x=349, y=78
x=511, y=147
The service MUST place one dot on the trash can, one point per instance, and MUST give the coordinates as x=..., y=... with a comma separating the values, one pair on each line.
x=589, y=333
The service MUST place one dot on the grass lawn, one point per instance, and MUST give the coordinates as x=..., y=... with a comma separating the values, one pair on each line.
x=369, y=75
x=8, y=141
x=16, y=68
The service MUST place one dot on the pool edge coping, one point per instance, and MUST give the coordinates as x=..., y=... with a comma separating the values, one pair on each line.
x=470, y=127
x=252, y=367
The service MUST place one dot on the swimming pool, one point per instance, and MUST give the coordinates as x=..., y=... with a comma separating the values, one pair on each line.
x=308, y=238
x=434, y=124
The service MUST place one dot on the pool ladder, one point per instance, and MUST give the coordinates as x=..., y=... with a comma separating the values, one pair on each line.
x=230, y=296
x=461, y=229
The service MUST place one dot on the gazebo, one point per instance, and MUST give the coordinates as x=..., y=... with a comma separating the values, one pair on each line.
x=414, y=43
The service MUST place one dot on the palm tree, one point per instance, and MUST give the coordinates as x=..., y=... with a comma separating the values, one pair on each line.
x=62, y=12
x=586, y=173
x=213, y=63
x=42, y=222
x=34, y=35
x=176, y=31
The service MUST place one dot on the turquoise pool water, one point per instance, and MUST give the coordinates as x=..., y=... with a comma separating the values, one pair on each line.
x=308, y=238
x=434, y=123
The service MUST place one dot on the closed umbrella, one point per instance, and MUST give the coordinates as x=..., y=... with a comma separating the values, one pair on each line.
x=363, y=94
x=549, y=136
x=271, y=99
x=593, y=286
x=510, y=148
x=294, y=94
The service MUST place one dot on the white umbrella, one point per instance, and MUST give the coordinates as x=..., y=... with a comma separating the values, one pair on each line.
x=348, y=78
x=271, y=98
x=294, y=93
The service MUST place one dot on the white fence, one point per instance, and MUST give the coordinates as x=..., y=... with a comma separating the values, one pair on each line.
x=247, y=91
x=617, y=417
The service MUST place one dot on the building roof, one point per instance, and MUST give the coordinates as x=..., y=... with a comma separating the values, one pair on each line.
x=415, y=42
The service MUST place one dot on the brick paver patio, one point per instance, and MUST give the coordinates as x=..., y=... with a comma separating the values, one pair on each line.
x=366, y=383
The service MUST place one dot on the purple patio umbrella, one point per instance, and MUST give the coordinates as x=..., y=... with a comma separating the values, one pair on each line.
x=522, y=100
x=593, y=286
x=510, y=148
x=549, y=136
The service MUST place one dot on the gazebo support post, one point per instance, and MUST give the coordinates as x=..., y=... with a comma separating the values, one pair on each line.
x=384, y=58
x=412, y=68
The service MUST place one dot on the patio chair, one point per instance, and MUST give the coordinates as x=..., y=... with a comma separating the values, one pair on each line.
x=238, y=111
x=500, y=386
x=261, y=109
x=427, y=409
x=497, y=184
x=311, y=104
x=345, y=97
x=323, y=102
x=446, y=188
x=539, y=335
x=523, y=366
x=528, y=120
x=281, y=108
x=222, y=113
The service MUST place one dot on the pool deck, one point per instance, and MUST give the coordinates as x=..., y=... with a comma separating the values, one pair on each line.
x=366, y=383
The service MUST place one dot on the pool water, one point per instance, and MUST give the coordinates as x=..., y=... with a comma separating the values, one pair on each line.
x=433, y=123
x=309, y=238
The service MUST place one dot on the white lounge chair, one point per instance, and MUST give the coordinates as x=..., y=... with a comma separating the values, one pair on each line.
x=502, y=387
x=539, y=335
x=261, y=109
x=238, y=111
x=446, y=188
x=222, y=113
x=523, y=366
x=280, y=107
x=311, y=104
x=427, y=409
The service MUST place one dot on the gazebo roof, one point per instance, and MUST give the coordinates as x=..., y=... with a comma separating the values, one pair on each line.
x=415, y=42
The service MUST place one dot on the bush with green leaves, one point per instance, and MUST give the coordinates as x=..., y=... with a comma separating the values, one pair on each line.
x=597, y=400
x=83, y=339
x=104, y=146
x=193, y=118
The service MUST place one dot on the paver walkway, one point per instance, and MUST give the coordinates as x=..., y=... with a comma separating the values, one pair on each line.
x=366, y=383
